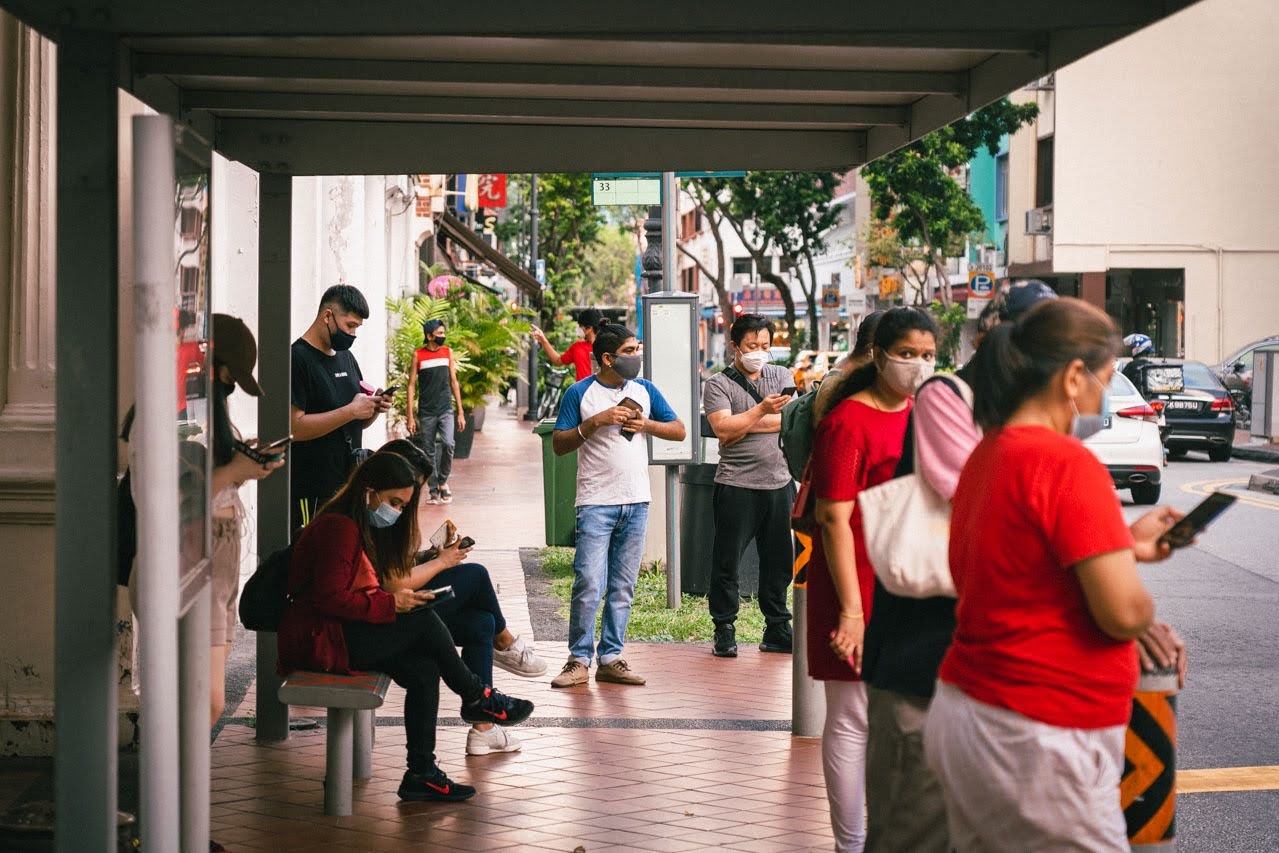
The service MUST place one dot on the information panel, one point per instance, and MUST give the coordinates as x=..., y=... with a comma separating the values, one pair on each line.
x=670, y=363
x=607, y=190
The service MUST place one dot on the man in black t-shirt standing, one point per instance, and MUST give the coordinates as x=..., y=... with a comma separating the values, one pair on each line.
x=330, y=410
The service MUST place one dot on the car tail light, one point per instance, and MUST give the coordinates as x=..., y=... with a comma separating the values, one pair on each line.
x=1143, y=413
x=1223, y=404
x=1157, y=405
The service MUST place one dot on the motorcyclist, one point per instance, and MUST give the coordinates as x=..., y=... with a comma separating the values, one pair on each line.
x=1142, y=349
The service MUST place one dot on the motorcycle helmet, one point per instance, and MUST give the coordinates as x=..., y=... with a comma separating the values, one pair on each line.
x=1139, y=345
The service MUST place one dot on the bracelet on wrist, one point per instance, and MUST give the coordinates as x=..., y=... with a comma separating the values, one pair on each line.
x=844, y=614
x=580, y=433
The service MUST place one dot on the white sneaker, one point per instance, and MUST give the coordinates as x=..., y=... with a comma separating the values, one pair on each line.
x=520, y=659
x=496, y=739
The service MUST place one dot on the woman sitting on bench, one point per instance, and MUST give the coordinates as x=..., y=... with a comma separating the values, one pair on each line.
x=473, y=616
x=345, y=621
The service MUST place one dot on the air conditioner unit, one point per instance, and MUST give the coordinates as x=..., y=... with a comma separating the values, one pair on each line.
x=1039, y=220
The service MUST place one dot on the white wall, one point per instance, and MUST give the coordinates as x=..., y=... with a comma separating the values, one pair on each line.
x=1165, y=153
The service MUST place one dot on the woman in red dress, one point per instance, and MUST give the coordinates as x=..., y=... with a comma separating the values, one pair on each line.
x=856, y=445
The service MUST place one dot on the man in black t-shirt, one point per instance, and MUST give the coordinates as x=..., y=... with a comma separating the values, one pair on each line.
x=330, y=410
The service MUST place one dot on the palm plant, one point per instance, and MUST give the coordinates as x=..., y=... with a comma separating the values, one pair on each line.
x=486, y=337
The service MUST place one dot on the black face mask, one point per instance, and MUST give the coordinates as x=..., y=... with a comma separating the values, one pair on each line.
x=340, y=341
x=439, y=340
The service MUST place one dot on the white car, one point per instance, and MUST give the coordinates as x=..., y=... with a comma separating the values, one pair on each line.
x=1129, y=444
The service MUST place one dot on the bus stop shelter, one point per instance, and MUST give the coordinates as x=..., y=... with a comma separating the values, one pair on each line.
x=406, y=86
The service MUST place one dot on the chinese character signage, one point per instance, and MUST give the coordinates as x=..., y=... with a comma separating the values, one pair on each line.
x=490, y=190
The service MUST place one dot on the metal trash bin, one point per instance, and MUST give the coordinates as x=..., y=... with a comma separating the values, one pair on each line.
x=559, y=489
x=697, y=536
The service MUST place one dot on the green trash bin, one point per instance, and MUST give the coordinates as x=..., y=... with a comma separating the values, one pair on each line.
x=559, y=489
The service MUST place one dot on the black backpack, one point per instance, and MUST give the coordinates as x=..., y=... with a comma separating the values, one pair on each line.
x=266, y=594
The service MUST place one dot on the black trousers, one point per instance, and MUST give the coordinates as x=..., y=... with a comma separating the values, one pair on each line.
x=742, y=515
x=416, y=651
x=473, y=616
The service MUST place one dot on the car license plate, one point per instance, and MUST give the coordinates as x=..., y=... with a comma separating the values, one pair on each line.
x=1184, y=405
x=1105, y=422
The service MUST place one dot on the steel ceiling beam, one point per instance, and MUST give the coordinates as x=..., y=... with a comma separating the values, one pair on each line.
x=200, y=67
x=532, y=110
x=654, y=20
x=303, y=147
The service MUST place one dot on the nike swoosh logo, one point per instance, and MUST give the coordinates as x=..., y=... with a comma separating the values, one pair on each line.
x=501, y=716
x=441, y=789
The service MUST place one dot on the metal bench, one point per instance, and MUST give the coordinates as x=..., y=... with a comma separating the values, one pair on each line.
x=351, y=701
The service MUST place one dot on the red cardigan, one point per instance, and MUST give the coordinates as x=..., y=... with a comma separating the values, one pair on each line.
x=343, y=588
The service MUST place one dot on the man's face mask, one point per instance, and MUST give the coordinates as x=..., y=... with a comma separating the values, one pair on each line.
x=338, y=339
x=627, y=366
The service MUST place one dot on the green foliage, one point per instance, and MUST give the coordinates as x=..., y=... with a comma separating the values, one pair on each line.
x=483, y=332
x=786, y=211
x=651, y=619
x=951, y=322
x=912, y=188
x=568, y=226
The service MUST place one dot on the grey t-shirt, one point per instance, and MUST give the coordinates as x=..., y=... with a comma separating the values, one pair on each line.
x=756, y=461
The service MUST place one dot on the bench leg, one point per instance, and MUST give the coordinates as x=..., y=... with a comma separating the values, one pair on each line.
x=365, y=721
x=337, y=768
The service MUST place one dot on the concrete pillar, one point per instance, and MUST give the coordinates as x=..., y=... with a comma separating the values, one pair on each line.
x=27, y=363
x=275, y=267
x=87, y=303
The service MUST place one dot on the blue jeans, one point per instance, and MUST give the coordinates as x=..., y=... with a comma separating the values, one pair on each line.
x=436, y=438
x=610, y=543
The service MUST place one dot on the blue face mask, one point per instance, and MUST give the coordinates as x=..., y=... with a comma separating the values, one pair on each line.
x=384, y=516
x=1085, y=426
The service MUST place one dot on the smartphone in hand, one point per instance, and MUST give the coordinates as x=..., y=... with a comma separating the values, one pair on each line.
x=635, y=407
x=1198, y=519
x=264, y=454
x=444, y=593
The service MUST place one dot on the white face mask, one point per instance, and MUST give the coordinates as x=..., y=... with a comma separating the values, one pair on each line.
x=905, y=375
x=753, y=362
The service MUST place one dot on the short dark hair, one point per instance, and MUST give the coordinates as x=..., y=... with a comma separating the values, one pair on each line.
x=608, y=337
x=590, y=318
x=748, y=324
x=346, y=298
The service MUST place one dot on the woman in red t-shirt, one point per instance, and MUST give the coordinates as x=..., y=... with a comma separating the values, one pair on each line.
x=1026, y=730
x=857, y=444
x=579, y=352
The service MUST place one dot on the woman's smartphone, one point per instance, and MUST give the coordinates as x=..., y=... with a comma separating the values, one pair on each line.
x=444, y=593
x=263, y=454
x=1198, y=519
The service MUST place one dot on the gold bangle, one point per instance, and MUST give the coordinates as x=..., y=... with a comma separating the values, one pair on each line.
x=844, y=614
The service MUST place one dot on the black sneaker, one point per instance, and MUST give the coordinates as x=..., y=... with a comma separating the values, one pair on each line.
x=725, y=641
x=778, y=638
x=495, y=707
x=433, y=786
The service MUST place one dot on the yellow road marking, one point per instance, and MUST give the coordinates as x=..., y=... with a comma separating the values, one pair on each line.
x=1207, y=487
x=1217, y=779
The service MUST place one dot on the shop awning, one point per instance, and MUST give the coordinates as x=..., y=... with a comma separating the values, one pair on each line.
x=455, y=230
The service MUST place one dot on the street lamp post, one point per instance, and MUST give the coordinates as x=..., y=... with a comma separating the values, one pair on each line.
x=533, y=396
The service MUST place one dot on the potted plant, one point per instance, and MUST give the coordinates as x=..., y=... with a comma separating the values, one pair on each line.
x=484, y=333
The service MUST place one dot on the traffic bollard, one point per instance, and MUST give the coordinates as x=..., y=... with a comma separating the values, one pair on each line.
x=1148, y=790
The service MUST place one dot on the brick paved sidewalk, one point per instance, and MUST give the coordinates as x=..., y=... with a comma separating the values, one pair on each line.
x=701, y=758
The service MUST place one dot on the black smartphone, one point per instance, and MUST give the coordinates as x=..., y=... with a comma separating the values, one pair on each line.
x=444, y=593
x=635, y=407
x=790, y=392
x=390, y=392
x=465, y=542
x=1198, y=519
x=279, y=442
x=263, y=455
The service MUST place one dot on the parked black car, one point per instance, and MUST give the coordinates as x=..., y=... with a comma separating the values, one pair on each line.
x=1198, y=411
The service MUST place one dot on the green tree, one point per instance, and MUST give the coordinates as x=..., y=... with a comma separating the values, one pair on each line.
x=716, y=274
x=786, y=212
x=912, y=188
x=568, y=226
